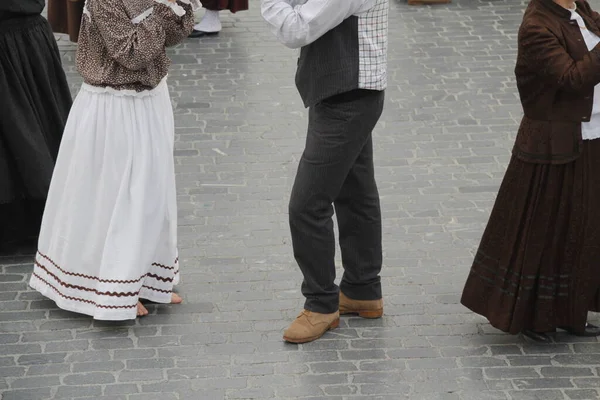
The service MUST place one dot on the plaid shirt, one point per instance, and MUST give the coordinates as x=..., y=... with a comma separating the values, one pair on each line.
x=373, y=43
x=298, y=23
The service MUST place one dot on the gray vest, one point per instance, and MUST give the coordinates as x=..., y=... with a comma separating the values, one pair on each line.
x=330, y=65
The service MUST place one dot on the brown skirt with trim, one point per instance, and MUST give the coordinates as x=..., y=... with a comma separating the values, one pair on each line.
x=538, y=264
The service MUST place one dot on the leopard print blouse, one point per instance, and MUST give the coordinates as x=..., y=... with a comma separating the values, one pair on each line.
x=122, y=43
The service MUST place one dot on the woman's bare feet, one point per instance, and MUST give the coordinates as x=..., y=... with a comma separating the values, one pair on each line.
x=141, y=310
x=176, y=299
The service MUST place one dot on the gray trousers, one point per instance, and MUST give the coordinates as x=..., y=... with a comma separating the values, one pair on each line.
x=336, y=169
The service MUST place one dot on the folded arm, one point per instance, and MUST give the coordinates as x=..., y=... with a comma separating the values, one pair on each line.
x=297, y=23
x=543, y=53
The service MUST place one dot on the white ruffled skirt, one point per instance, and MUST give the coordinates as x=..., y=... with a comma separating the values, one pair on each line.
x=109, y=231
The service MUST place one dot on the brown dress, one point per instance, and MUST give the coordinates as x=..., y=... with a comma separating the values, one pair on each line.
x=231, y=5
x=538, y=263
x=65, y=16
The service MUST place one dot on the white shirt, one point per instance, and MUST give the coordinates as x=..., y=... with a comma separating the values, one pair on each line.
x=589, y=130
x=298, y=23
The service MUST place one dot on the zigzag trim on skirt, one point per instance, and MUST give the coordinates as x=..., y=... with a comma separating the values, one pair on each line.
x=157, y=289
x=80, y=299
x=164, y=266
x=87, y=289
x=149, y=275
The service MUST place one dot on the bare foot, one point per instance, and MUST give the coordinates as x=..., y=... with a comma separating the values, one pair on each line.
x=141, y=310
x=176, y=299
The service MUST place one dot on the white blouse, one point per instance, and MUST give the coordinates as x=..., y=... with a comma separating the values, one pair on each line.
x=589, y=130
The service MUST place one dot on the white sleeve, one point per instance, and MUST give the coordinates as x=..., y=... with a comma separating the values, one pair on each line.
x=297, y=23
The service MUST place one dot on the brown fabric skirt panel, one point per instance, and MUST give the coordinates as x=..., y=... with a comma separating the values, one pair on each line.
x=65, y=16
x=537, y=264
x=231, y=5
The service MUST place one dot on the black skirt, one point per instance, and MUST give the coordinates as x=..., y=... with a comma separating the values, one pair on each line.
x=34, y=105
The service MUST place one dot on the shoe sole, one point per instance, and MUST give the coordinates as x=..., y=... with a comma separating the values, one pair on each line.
x=369, y=314
x=583, y=334
x=203, y=34
x=331, y=326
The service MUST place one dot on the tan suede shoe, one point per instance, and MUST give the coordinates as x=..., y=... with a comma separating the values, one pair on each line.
x=364, y=308
x=310, y=326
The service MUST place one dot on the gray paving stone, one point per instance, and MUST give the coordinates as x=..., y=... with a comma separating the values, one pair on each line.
x=35, y=382
x=529, y=360
x=512, y=372
x=36, y=359
x=147, y=375
x=7, y=361
x=104, y=398
x=90, y=378
x=397, y=389
x=111, y=344
x=579, y=359
x=69, y=392
x=17, y=349
x=7, y=372
x=544, y=383
x=9, y=338
x=71, y=345
x=40, y=393
x=587, y=382
x=99, y=366
x=538, y=395
x=482, y=362
x=150, y=363
x=548, y=372
x=48, y=369
x=46, y=336
x=152, y=396
x=439, y=363
x=196, y=373
x=262, y=393
x=90, y=356
x=167, y=386
x=582, y=394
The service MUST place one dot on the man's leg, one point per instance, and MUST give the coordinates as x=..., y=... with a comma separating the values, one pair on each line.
x=339, y=129
x=359, y=220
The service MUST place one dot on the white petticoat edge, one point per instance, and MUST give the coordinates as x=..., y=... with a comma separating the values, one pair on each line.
x=124, y=92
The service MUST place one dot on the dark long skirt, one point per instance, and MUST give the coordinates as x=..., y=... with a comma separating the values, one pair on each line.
x=538, y=264
x=34, y=103
x=231, y=5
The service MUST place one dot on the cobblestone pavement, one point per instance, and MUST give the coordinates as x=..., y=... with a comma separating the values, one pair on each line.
x=441, y=149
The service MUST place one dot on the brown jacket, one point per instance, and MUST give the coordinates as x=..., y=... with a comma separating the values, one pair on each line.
x=556, y=75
